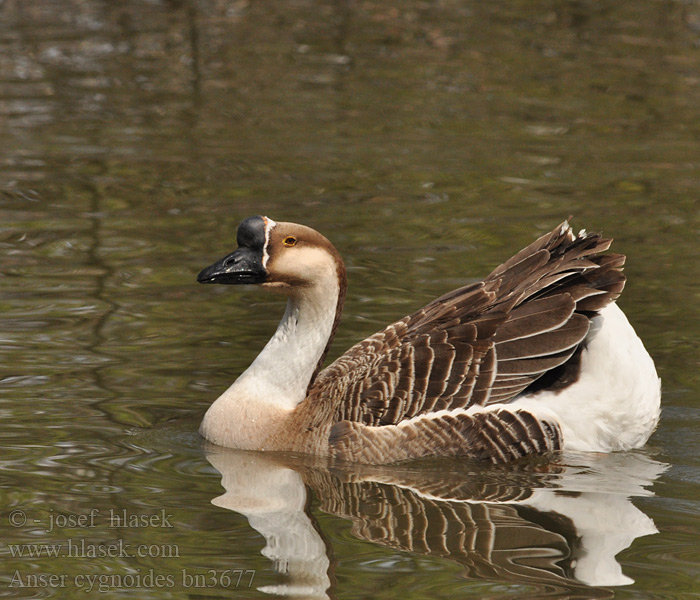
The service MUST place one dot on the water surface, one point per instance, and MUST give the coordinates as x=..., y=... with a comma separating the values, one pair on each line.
x=428, y=141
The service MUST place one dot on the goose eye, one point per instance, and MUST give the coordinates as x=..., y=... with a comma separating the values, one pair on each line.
x=289, y=241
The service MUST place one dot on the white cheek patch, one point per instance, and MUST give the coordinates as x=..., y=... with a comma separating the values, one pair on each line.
x=269, y=224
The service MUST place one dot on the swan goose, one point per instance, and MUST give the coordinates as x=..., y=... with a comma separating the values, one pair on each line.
x=535, y=358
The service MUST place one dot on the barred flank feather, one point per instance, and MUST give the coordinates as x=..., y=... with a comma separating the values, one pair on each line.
x=499, y=436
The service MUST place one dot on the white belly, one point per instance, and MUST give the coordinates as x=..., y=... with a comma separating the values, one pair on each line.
x=615, y=403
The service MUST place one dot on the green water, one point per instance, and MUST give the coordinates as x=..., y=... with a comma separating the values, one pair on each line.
x=428, y=141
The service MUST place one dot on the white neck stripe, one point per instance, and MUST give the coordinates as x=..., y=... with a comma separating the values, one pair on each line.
x=269, y=224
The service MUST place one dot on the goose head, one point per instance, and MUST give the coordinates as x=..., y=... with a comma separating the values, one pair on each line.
x=283, y=257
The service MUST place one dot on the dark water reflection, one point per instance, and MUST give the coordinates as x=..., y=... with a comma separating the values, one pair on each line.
x=548, y=527
x=428, y=141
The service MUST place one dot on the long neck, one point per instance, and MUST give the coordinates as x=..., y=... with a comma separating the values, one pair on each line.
x=285, y=368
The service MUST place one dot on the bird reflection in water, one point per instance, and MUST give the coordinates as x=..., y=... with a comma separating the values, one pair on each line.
x=536, y=523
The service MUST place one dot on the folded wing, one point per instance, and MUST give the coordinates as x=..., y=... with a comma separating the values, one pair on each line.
x=486, y=342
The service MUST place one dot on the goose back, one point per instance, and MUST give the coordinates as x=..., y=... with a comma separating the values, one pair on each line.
x=483, y=343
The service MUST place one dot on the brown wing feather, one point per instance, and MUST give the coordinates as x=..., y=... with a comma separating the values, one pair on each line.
x=485, y=342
